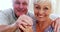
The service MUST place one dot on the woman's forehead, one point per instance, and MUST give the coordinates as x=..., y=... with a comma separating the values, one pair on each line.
x=45, y=3
x=42, y=1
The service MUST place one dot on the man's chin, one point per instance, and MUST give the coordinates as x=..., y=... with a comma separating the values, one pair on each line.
x=20, y=15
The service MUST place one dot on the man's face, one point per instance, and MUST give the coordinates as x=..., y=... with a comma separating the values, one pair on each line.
x=20, y=7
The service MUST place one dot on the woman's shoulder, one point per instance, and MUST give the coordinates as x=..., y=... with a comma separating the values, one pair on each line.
x=54, y=16
x=56, y=21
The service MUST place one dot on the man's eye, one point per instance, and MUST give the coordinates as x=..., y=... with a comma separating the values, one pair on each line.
x=25, y=4
x=17, y=3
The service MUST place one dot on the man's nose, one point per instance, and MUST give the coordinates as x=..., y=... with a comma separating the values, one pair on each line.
x=21, y=6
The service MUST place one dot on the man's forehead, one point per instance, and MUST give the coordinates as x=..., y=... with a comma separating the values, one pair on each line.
x=22, y=0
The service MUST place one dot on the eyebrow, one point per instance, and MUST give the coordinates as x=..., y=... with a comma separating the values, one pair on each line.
x=16, y=2
x=36, y=4
x=25, y=2
x=47, y=6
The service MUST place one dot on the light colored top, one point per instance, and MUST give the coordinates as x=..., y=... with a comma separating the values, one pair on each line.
x=7, y=17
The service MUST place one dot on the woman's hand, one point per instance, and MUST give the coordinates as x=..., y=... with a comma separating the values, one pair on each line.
x=57, y=25
x=28, y=29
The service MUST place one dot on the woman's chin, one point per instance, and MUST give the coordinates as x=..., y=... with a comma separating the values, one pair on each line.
x=41, y=19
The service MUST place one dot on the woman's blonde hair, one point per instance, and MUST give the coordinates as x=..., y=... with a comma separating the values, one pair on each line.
x=53, y=3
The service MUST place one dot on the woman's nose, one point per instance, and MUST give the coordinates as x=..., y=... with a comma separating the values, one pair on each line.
x=41, y=11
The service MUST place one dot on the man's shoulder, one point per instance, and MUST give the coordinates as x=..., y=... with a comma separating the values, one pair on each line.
x=5, y=16
x=6, y=11
x=30, y=14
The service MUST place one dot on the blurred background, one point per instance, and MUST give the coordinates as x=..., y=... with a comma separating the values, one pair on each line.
x=6, y=4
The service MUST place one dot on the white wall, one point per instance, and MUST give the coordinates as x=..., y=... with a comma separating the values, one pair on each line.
x=58, y=7
x=5, y=4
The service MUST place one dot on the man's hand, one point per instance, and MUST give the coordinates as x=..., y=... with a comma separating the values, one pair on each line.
x=25, y=23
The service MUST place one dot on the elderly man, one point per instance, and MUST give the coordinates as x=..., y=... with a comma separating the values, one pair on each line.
x=16, y=18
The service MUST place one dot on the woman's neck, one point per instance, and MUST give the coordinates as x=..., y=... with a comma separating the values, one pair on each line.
x=43, y=24
x=47, y=20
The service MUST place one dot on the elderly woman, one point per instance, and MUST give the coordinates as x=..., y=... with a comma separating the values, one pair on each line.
x=43, y=23
x=42, y=11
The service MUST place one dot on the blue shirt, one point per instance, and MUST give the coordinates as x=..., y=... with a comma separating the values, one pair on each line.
x=48, y=29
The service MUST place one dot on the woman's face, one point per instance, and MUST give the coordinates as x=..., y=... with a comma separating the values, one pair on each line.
x=42, y=10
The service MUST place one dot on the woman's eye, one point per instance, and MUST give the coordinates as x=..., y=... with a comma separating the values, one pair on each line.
x=45, y=8
x=37, y=7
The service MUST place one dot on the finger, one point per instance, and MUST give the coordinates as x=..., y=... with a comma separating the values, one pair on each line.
x=21, y=27
x=28, y=22
x=55, y=28
x=24, y=23
x=26, y=19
